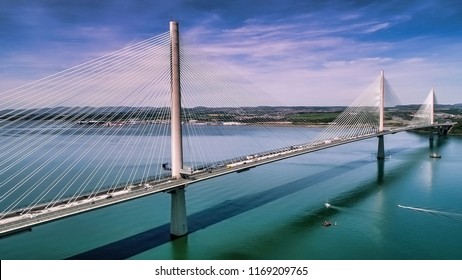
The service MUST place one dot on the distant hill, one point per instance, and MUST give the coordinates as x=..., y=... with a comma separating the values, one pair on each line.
x=292, y=114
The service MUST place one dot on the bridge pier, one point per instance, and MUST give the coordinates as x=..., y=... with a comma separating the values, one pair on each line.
x=178, y=217
x=381, y=148
x=444, y=129
x=431, y=137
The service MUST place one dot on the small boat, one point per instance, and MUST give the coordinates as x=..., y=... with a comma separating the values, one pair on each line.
x=327, y=204
x=327, y=223
x=435, y=155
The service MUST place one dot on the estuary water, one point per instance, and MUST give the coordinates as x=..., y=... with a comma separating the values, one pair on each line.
x=276, y=211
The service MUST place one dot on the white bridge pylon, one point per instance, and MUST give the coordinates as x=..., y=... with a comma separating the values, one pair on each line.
x=426, y=113
x=367, y=113
x=364, y=116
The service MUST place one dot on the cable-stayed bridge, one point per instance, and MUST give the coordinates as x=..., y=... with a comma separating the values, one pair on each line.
x=127, y=125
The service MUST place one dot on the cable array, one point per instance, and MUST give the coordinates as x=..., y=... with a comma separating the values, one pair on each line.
x=423, y=116
x=105, y=124
x=360, y=118
x=208, y=81
x=87, y=129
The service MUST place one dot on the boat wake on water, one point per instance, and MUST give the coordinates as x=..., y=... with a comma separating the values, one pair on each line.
x=358, y=212
x=451, y=215
x=352, y=211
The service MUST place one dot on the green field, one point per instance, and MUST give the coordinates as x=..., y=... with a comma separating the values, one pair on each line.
x=313, y=118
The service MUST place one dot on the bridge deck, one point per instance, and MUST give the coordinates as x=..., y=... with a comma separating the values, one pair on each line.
x=14, y=222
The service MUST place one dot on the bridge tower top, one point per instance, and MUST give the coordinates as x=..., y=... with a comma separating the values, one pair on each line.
x=382, y=100
x=432, y=106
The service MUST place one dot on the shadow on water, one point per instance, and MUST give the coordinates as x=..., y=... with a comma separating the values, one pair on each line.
x=315, y=217
x=382, y=179
x=154, y=237
x=139, y=243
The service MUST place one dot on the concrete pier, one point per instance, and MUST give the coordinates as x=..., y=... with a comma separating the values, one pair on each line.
x=178, y=218
x=381, y=148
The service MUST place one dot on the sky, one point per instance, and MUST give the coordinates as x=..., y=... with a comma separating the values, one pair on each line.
x=301, y=52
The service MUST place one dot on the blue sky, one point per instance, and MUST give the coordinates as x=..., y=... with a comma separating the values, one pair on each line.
x=301, y=52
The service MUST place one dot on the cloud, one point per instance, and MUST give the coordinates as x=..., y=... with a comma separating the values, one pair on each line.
x=377, y=27
x=323, y=53
x=277, y=57
x=325, y=64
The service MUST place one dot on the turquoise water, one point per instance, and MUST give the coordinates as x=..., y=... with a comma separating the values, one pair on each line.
x=276, y=211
